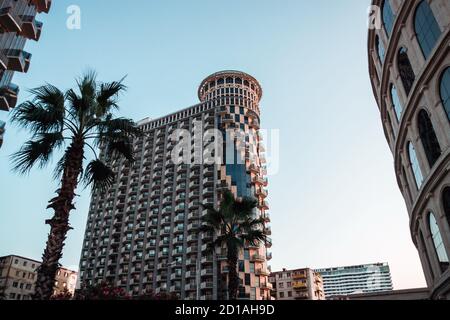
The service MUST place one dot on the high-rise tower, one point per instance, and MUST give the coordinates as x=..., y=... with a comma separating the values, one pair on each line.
x=409, y=63
x=143, y=233
x=17, y=25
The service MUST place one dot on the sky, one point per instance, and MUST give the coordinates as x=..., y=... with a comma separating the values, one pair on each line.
x=334, y=201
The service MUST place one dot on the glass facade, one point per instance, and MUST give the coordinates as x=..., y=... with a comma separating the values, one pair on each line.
x=396, y=103
x=445, y=91
x=427, y=28
x=388, y=17
x=415, y=165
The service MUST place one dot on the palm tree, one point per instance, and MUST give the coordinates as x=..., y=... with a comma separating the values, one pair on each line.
x=82, y=118
x=235, y=226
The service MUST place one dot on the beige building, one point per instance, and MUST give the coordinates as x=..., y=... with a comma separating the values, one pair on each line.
x=18, y=278
x=65, y=281
x=299, y=284
x=409, y=64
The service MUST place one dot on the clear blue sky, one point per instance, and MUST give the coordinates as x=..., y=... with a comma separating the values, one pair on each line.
x=335, y=200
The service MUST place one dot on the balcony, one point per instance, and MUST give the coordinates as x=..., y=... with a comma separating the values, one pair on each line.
x=189, y=286
x=42, y=5
x=208, y=191
x=262, y=272
x=207, y=272
x=208, y=181
x=299, y=286
x=3, y=61
x=8, y=97
x=18, y=60
x=207, y=285
x=260, y=181
x=194, y=215
x=257, y=258
x=31, y=28
x=207, y=260
x=299, y=276
x=9, y=20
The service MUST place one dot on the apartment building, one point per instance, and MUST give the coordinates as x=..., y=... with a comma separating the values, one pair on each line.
x=368, y=278
x=143, y=233
x=298, y=284
x=18, y=278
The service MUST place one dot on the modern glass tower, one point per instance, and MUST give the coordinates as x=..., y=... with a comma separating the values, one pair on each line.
x=342, y=281
x=143, y=233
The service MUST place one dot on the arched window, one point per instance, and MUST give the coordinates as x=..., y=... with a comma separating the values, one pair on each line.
x=437, y=241
x=406, y=71
x=388, y=17
x=428, y=137
x=380, y=49
x=445, y=91
x=426, y=27
x=415, y=165
x=446, y=203
x=396, y=103
x=220, y=81
x=229, y=80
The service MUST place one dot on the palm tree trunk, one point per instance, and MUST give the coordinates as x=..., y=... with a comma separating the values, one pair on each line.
x=233, y=280
x=59, y=224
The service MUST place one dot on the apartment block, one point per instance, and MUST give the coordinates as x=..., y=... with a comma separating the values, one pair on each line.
x=18, y=278
x=368, y=278
x=144, y=235
x=298, y=284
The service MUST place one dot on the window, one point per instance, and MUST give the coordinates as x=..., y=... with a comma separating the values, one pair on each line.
x=396, y=103
x=247, y=279
x=25, y=263
x=445, y=91
x=388, y=17
x=406, y=71
x=428, y=137
x=281, y=285
x=426, y=27
x=438, y=243
x=380, y=49
x=16, y=261
x=290, y=294
x=241, y=266
x=15, y=284
x=415, y=165
x=281, y=294
x=446, y=203
x=422, y=242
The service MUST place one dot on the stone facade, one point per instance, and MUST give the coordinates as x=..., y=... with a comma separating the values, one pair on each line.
x=409, y=60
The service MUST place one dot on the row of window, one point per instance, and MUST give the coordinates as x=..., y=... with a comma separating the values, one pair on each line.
x=425, y=26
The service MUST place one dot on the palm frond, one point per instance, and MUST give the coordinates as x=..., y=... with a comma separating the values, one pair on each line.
x=46, y=113
x=99, y=175
x=120, y=148
x=245, y=207
x=37, y=151
x=254, y=237
x=107, y=97
x=124, y=126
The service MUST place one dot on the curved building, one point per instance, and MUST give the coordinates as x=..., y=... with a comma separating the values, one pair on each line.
x=409, y=64
x=143, y=233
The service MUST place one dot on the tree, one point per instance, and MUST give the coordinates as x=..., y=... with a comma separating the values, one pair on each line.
x=235, y=225
x=84, y=119
x=64, y=295
x=102, y=291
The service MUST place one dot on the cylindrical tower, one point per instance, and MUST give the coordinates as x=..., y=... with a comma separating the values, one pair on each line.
x=236, y=96
x=409, y=65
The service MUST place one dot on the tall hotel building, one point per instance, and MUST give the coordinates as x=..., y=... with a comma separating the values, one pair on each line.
x=409, y=65
x=143, y=233
x=17, y=25
x=343, y=281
